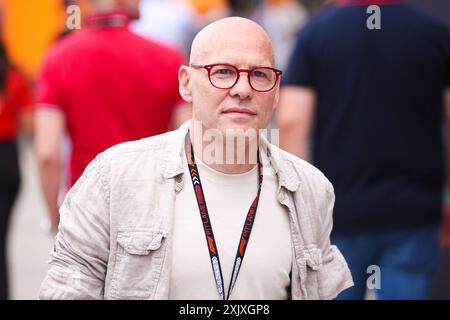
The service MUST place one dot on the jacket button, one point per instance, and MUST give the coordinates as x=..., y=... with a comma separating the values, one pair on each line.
x=179, y=178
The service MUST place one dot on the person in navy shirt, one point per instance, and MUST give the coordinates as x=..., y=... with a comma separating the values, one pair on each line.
x=366, y=107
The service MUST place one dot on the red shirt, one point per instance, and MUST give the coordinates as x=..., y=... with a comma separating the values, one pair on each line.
x=112, y=85
x=15, y=98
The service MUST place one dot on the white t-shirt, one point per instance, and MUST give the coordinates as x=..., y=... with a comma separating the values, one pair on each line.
x=266, y=267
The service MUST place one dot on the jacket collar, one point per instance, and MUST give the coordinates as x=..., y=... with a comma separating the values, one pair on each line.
x=118, y=18
x=172, y=165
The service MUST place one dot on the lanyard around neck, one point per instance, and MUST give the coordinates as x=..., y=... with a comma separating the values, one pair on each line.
x=207, y=227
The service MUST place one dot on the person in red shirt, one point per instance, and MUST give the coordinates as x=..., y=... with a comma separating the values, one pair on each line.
x=104, y=85
x=15, y=114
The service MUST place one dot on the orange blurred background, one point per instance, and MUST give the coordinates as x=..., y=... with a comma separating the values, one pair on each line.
x=29, y=27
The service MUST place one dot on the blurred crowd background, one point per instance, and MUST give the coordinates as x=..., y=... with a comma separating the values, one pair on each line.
x=29, y=28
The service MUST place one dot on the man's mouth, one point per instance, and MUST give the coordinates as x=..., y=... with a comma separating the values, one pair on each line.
x=239, y=111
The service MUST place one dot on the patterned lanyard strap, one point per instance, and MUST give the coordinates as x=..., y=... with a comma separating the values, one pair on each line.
x=211, y=242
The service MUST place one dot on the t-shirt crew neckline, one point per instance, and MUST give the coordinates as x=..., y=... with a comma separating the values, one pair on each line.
x=208, y=173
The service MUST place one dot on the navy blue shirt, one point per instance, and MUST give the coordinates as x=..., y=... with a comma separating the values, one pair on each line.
x=378, y=123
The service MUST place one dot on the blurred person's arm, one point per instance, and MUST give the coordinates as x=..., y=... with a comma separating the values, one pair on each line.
x=445, y=233
x=295, y=116
x=296, y=110
x=26, y=121
x=49, y=131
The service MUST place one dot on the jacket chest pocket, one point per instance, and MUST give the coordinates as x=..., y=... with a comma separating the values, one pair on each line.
x=138, y=263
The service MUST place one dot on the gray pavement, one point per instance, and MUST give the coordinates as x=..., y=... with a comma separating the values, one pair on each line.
x=28, y=245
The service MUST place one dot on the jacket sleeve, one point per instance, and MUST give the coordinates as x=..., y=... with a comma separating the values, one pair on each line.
x=334, y=275
x=78, y=261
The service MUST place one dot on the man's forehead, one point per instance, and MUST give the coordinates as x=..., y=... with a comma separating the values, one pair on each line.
x=240, y=58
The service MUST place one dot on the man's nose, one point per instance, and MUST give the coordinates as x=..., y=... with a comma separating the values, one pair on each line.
x=242, y=88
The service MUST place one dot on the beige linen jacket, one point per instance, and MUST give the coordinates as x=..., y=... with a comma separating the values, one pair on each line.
x=114, y=239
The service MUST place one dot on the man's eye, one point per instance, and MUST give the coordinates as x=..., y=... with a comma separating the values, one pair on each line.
x=259, y=74
x=224, y=72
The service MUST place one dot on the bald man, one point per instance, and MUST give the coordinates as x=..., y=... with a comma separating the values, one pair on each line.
x=209, y=211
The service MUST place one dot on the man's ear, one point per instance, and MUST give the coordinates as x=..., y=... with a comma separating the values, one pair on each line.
x=184, y=78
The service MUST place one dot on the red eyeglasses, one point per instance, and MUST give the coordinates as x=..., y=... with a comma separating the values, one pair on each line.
x=225, y=76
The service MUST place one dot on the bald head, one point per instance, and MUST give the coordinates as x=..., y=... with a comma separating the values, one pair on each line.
x=235, y=33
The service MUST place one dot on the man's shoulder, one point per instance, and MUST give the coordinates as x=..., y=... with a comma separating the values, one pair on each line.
x=304, y=171
x=67, y=44
x=165, y=53
x=152, y=144
x=321, y=19
x=423, y=21
x=139, y=160
x=158, y=47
